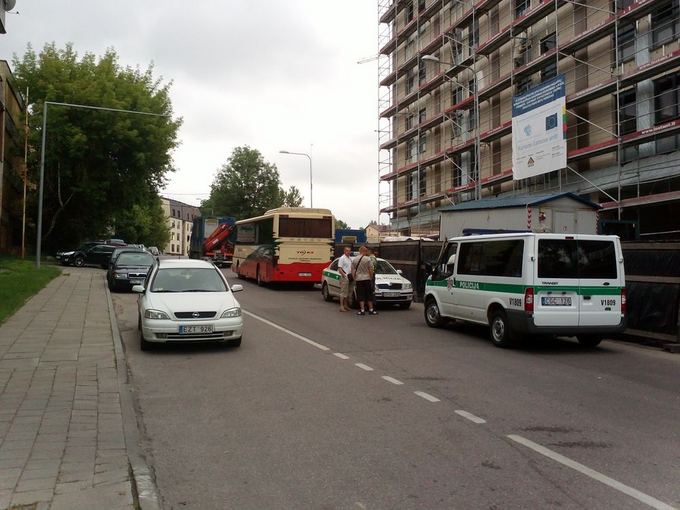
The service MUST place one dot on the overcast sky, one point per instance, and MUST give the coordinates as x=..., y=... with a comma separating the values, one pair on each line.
x=272, y=74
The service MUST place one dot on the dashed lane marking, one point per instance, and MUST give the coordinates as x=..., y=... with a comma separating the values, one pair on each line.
x=340, y=355
x=595, y=475
x=285, y=330
x=364, y=367
x=426, y=396
x=392, y=380
x=470, y=416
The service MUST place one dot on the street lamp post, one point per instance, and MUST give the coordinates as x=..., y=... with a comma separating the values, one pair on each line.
x=311, y=201
x=38, y=244
x=478, y=162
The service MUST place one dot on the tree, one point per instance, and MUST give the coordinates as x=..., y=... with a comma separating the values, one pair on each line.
x=341, y=224
x=143, y=224
x=248, y=186
x=98, y=164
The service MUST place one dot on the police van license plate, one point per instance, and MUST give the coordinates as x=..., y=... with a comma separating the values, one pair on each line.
x=196, y=330
x=555, y=301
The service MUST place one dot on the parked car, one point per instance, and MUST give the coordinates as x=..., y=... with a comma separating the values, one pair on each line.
x=94, y=255
x=530, y=284
x=65, y=258
x=117, y=251
x=187, y=300
x=118, y=242
x=390, y=286
x=128, y=269
x=153, y=251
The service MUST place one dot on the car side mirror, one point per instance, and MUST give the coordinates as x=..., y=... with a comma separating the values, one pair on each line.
x=237, y=287
x=399, y=271
x=139, y=289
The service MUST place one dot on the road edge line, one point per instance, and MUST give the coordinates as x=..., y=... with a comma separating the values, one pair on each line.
x=591, y=473
x=145, y=490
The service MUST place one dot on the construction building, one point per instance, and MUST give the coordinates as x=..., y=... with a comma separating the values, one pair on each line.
x=179, y=217
x=449, y=69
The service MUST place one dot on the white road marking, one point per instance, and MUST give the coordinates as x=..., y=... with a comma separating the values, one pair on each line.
x=595, y=475
x=392, y=380
x=426, y=396
x=470, y=416
x=364, y=367
x=288, y=331
x=340, y=355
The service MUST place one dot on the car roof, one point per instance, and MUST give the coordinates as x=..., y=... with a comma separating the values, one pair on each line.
x=185, y=263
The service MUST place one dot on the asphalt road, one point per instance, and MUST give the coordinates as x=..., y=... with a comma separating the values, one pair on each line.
x=326, y=410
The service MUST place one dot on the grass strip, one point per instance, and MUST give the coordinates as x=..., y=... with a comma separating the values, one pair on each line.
x=19, y=280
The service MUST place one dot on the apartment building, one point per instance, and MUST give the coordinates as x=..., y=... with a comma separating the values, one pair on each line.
x=449, y=70
x=12, y=164
x=179, y=217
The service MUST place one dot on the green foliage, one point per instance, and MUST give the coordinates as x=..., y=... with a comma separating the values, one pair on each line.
x=98, y=163
x=341, y=224
x=143, y=223
x=19, y=280
x=248, y=186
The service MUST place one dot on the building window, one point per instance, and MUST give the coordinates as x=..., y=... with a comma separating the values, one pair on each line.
x=423, y=183
x=422, y=71
x=624, y=4
x=422, y=143
x=627, y=112
x=549, y=71
x=626, y=44
x=410, y=186
x=410, y=81
x=666, y=98
x=665, y=22
x=422, y=115
x=472, y=119
x=421, y=5
x=521, y=6
x=456, y=95
x=471, y=87
x=457, y=122
x=473, y=33
x=548, y=43
x=410, y=149
x=408, y=12
x=523, y=84
x=408, y=121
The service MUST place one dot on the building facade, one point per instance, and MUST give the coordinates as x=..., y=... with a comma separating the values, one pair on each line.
x=448, y=72
x=179, y=217
x=12, y=163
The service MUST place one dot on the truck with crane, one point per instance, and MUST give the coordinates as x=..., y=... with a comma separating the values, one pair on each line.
x=212, y=239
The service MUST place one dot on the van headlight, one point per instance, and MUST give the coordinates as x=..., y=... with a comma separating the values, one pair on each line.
x=155, y=314
x=232, y=313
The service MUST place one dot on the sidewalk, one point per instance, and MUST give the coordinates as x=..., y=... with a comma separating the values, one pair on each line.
x=62, y=441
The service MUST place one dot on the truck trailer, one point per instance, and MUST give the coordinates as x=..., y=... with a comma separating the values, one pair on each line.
x=212, y=239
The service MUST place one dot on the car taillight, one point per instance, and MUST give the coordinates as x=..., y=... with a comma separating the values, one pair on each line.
x=624, y=300
x=529, y=300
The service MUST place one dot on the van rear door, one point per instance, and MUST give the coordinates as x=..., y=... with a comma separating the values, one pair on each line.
x=556, y=300
x=599, y=281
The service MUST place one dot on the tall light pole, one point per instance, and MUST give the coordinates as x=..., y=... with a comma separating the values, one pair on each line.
x=38, y=244
x=478, y=150
x=311, y=201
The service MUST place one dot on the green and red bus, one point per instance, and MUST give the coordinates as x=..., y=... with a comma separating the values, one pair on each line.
x=288, y=244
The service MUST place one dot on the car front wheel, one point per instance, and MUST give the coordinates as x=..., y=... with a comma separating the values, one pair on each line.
x=326, y=293
x=79, y=262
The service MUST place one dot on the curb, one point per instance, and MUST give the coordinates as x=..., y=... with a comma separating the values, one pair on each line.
x=145, y=490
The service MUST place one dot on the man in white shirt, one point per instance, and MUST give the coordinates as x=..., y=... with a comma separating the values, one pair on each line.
x=345, y=270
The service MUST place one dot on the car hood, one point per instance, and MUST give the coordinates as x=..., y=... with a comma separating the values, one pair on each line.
x=191, y=301
x=390, y=278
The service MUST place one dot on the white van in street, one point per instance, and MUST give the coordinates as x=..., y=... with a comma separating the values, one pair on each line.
x=527, y=284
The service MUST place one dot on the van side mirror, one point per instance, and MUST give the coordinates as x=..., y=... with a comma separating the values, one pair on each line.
x=139, y=289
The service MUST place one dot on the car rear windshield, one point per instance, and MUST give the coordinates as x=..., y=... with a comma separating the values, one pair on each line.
x=188, y=280
x=134, y=259
x=571, y=258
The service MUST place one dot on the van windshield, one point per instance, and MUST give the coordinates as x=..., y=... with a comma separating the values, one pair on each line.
x=569, y=258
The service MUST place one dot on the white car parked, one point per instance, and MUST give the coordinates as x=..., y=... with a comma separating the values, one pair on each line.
x=187, y=301
x=390, y=286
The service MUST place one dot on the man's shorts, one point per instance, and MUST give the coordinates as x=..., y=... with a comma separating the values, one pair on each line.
x=364, y=290
x=345, y=287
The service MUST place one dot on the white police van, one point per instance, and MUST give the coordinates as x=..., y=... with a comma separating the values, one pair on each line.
x=527, y=283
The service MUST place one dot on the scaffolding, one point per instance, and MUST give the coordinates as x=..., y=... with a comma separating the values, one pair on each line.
x=472, y=129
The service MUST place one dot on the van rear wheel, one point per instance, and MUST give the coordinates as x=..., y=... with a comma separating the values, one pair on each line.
x=433, y=317
x=589, y=341
x=501, y=332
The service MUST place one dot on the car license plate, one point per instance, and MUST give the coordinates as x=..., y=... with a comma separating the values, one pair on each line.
x=555, y=301
x=307, y=275
x=193, y=330
x=391, y=294
x=136, y=281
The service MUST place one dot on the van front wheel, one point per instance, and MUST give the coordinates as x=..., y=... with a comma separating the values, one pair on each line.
x=501, y=333
x=433, y=317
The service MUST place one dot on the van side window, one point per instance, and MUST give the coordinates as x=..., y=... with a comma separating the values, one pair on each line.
x=444, y=270
x=492, y=258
